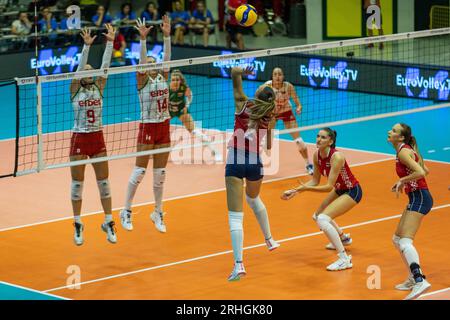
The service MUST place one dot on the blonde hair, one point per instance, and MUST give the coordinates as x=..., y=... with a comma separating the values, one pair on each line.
x=178, y=73
x=263, y=104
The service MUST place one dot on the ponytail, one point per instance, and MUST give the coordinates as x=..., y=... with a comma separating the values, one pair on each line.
x=411, y=141
x=413, y=144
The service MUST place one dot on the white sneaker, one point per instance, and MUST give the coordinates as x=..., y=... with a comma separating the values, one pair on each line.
x=346, y=242
x=407, y=285
x=342, y=263
x=78, y=235
x=310, y=169
x=125, y=219
x=272, y=244
x=418, y=289
x=157, y=218
x=237, y=273
x=110, y=230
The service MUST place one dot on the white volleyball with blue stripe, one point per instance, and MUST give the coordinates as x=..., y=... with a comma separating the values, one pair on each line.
x=246, y=15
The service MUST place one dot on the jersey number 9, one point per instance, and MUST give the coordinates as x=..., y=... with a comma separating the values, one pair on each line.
x=90, y=114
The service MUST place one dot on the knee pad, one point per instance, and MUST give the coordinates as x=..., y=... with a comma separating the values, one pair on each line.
x=235, y=220
x=159, y=176
x=323, y=221
x=104, y=188
x=405, y=243
x=256, y=204
x=137, y=175
x=300, y=143
x=76, y=190
x=395, y=241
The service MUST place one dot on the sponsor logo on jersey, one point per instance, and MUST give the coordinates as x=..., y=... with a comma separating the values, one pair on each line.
x=89, y=103
x=157, y=93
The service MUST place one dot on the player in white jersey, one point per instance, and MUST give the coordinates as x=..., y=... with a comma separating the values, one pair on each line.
x=284, y=92
x=154, y=127
x=87, y=137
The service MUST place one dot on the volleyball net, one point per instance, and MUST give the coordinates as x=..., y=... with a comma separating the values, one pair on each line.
x=336, y=82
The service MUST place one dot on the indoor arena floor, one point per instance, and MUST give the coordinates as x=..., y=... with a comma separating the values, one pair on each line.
x=193, y=259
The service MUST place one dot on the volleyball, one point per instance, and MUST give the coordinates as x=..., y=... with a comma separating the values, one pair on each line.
x=117, y=54
x=246, y=15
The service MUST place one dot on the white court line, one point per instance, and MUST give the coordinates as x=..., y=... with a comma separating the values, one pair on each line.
x=434, y=292
x=32, y=290
x=175, y=198
x=225, y=252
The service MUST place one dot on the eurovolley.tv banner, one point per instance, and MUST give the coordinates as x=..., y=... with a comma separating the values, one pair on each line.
x=320, y=72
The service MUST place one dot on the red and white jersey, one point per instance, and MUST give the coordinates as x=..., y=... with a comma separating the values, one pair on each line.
x=345, y=180
x=87, y=107
x=282, y=97
x=243, y=138
x=154, y=100
x=403, y=171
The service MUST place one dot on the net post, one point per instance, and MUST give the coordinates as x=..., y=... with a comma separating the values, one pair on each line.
x=16, y=159
x=40, y=149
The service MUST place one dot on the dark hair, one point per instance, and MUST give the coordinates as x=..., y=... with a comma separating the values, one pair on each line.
x=266, y=94
x=271, y=76
x=410, y=140
x=124, y=5
x=332, y=134
x=149, y=3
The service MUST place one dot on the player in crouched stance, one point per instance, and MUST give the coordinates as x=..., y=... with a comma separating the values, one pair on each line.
x=344, y=193
x=411, y=171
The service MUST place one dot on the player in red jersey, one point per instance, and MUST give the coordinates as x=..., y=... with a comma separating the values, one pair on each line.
x=252, y=117
x=411, y=171
x=345, y=193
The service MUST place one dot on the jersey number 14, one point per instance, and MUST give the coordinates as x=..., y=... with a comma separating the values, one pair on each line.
x=162, y=105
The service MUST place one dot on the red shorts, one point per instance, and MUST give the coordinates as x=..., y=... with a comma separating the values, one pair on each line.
x=154, y=133
x=89, y=144
x=286, y=116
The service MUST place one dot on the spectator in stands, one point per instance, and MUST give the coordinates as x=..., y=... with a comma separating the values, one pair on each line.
x=126, y=14
x=21, y=26
x=48, y=22
x=151, y=14
x=101, y=17
x=180, y=20
x=234, y=30
x=165, y=7
x=202, y=22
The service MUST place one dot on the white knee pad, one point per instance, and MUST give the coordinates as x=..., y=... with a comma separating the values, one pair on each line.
x=137, y=175
x=300, y=143
x=395, y=241
x=255, y=203
x=405, y=243
x=323, y=221
x=235, y=220
x=76, y=190
x=104, y=188
x=159, y=176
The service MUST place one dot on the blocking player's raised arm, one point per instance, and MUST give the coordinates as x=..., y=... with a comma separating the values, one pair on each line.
x=88, y=40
